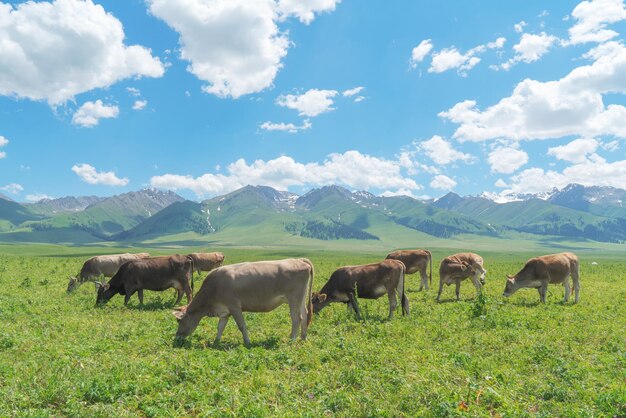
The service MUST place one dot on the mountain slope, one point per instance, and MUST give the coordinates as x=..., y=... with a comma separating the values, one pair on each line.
x=13, y=214
x=69, y=204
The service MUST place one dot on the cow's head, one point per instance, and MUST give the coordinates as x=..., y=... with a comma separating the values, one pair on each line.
x=187, y=323
x=104, y=292
x=511, y=286
x=73, y=284
x=319, y=301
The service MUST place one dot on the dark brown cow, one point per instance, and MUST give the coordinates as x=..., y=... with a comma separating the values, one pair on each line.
x=157, y=273
x=414, y=261
x=538, y=272
x=369, y=281
x=206, y=261
x=101, y=265
x=261, y=286
x=458, y=267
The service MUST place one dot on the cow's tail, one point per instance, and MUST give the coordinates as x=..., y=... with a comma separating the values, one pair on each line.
x=192, y=271
x=403, y=299
x=430, y=273
x=309, y=302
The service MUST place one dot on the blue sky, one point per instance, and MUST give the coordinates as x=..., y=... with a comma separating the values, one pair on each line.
x=402, y=97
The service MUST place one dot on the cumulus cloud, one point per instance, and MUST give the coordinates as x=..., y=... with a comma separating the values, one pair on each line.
x=592, y=18
x=442, y=182
x=352, y=92
x=90, y=113
x=572, y=105
x=311, y=103
x=90, y=175
x=452, y=58
x=133, y=91
x=506, y=159
x=305, y=10
x=442, y=152
x=420, y=52
x=54, y=51
x=36, y=197
x=351, y=168
x=3, y=142
x=286, y=127
x=12, y=188
x=575, y=151
x=519, y=27
x=530, y=48
x=140, y=104
x=234, y=46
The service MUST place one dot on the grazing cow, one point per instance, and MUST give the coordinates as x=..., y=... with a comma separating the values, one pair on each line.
x=101, y=265
x=414, y=261
x=458, y=267
x=157, y=273
x=538, y=272
x=206, y=261
x=261, y=286
x=369, y=281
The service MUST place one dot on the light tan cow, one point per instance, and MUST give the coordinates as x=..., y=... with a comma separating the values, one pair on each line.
x=414, y=261
x=260, y=286
x=206, y=261
x=538, y=272
x=101, y=265
x=458, y=267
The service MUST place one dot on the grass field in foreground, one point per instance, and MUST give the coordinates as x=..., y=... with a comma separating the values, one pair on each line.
x=60, y=355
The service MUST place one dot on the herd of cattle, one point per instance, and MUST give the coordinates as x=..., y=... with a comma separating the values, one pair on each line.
x=264, y=285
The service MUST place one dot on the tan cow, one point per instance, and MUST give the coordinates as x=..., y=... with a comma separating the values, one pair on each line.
x=414, y=261
x=101, y=265
x=206, y=261
x=458, y=267
x=369, y=281
x=538, y=272
x=261, y=286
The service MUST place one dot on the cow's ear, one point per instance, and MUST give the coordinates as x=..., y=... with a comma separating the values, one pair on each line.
x=322, y=297
x=178, y=314
x=510, y=278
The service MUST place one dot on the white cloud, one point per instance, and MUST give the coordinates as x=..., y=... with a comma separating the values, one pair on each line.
x=352, y=92
x=451, y=58
x=90, y=175
x=530, y=48
x=54, y=51
x=359, y=99
x=442, y=182
x=286, y=127
x=3, y=142
x=133, y=91
x=592, y=18
x=311, y=103
x=90, y=113
x=140, y=104
x=400, y=192
x=305, y=10
x=611, y=146
x=36, y=197
x=12, y=188
x=572, y=105
x=420, y=52
x=506, y=159
x=441, y=151
x=576, y=151
x=353, y=169
x=519, y=27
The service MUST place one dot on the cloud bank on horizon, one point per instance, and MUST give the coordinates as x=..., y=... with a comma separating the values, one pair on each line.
x=520, y=104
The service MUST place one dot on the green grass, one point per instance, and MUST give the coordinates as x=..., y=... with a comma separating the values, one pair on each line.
x=62, y=356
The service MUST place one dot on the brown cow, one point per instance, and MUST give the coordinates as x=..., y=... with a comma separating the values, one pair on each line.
x=369, y=281
x=458, y=267
x=156, y=273
x=206, y=261
x=414, y=261
x=538, y=272
x=101, y=265
x=261, y=286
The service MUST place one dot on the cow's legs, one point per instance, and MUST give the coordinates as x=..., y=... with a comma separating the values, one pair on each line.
x=567, y=288
x=140, y=295
x=241, y=323
x=476, y=281
x=355, y=305
x=179, y=296
x=542, y=292
x=457, y=291
x=441, y=279
x=188, y=293
x=129, y=293
x=220, y=327
x=294, y=313
x=393, y=301
x=576, y=280
x=424, y=277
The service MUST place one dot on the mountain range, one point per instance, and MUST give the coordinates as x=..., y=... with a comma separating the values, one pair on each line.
x=263, y=215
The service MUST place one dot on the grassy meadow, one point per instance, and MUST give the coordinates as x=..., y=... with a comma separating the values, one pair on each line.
x=62, y=356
